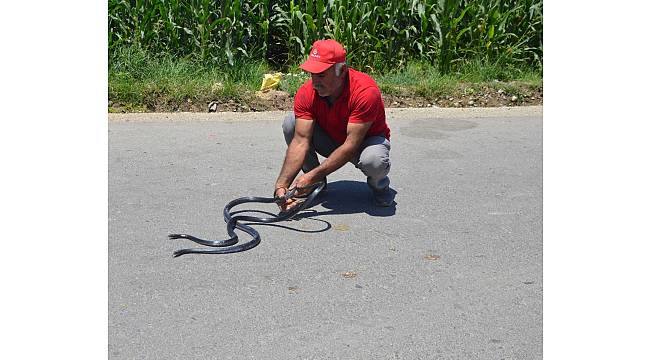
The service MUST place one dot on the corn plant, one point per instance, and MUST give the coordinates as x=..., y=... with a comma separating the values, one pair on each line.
x=379, y=36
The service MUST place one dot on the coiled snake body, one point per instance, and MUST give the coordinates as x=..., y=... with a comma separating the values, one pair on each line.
x=234, y=222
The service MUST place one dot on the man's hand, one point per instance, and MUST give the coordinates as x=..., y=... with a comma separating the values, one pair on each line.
x=287, y=204
x=302, y=183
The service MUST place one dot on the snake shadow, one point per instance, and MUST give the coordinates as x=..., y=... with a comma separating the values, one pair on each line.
x=350, y=197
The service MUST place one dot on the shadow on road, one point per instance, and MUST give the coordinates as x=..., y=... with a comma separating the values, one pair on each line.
x=351, y=197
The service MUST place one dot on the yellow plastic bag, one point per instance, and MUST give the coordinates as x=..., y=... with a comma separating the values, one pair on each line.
x=271, y=81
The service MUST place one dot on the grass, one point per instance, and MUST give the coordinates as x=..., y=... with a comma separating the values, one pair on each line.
x=418, y=78
x=140, y=81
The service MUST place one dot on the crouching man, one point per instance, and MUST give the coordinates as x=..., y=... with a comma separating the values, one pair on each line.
x=338, y=113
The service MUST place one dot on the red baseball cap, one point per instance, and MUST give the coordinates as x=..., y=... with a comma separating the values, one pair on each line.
x=323, y=54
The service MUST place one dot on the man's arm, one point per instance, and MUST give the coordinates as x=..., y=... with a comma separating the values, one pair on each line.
x=356, y=133
x=296, y=154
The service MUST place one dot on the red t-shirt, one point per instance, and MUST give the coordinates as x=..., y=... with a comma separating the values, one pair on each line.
x=360, y=102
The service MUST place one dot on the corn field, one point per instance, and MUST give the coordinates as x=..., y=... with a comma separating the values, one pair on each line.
x=378, y=35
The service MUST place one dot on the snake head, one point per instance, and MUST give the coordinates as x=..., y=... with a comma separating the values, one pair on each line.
x=288, y=195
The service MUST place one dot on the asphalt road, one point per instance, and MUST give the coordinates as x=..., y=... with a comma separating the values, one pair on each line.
x=454, y=271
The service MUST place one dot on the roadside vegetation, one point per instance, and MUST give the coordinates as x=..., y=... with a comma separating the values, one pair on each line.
x=183, y=55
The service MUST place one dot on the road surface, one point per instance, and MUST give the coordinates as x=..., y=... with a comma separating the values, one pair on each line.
x=454, y=271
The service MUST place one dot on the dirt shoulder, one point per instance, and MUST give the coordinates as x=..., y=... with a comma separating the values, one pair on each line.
x=466, y=96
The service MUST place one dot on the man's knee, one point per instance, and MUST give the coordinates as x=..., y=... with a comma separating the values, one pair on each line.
x=289, y=126
x=374, y=162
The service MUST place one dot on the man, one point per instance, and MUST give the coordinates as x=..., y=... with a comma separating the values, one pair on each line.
x=339, y=113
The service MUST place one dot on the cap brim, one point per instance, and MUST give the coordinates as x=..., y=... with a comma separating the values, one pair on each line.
x=315, y=67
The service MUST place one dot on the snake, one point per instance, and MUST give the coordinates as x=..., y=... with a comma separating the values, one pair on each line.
x=233, y=222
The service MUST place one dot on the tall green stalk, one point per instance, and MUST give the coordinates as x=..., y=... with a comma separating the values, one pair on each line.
x=379, y=35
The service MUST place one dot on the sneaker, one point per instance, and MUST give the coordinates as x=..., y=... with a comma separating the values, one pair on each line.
x=383, y=197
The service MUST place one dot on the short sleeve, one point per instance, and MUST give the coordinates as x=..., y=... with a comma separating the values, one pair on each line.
x=303, y=103
x=368, y=106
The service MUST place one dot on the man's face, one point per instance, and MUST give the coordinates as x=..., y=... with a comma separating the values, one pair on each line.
x=326, y=83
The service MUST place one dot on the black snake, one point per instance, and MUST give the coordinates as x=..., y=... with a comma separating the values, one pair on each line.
x=234, y=222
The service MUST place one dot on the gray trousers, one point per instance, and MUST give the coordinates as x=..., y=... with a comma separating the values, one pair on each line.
x=372, y=160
